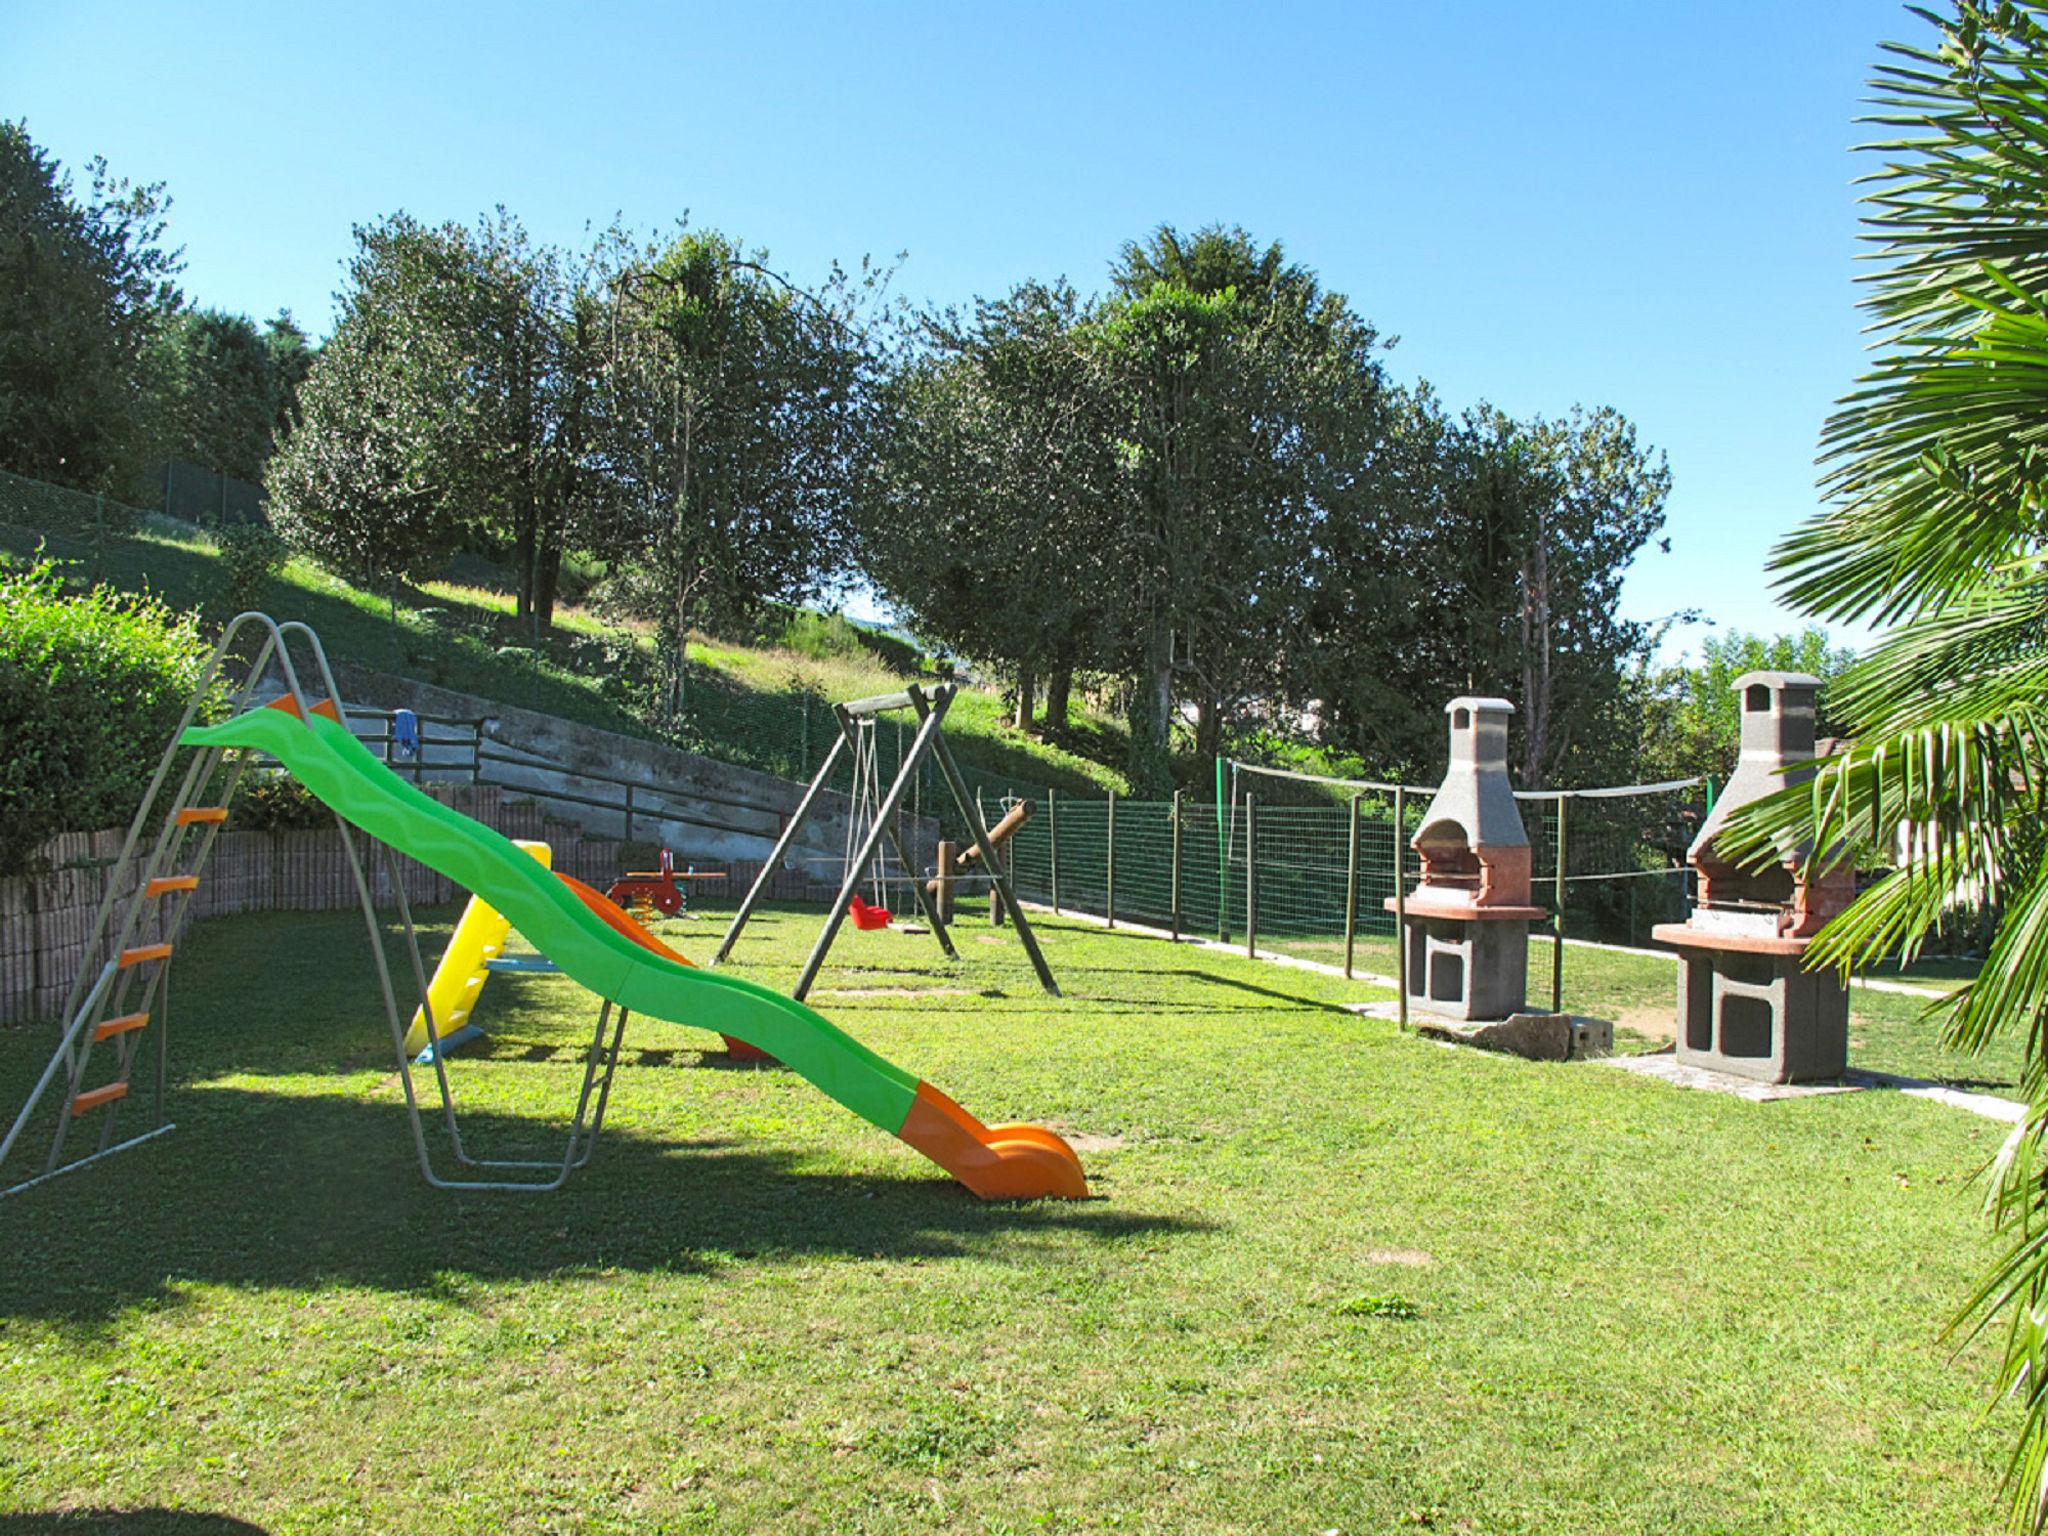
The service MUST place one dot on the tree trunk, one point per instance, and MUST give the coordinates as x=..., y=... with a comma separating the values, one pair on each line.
x=1059, y=689
x=1027, y=693
x=1209, y=728
x=547, y=581
x=525, y=552
x=1151, y=764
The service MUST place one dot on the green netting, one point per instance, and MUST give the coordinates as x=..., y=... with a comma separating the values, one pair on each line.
x=1624, y=863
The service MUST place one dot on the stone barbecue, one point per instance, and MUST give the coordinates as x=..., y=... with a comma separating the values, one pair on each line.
x=1746, y=1004
x=1466, y=927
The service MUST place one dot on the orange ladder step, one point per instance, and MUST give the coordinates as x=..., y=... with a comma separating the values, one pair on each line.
x=107, y=1029
x=94, y=1098
x=164, y=885
x=143, y=955
x=198, y=815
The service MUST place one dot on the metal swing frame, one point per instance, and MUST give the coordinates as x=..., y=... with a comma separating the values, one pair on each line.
x=930, y=741
x=95, y=996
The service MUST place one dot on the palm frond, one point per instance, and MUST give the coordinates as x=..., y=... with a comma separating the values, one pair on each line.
x=1936, y=468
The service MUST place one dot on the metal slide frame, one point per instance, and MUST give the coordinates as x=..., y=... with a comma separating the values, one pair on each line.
x=929, y=741
x=100, y=995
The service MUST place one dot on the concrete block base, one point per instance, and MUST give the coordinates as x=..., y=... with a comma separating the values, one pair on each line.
x=1467, y=968
x=1760, y=1016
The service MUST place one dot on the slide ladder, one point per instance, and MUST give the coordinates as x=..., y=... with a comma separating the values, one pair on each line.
x=122, y=1005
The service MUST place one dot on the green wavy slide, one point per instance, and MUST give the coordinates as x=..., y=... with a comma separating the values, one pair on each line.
x=999, y=1162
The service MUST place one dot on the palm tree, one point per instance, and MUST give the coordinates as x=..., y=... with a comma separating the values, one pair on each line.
x=1937, y=478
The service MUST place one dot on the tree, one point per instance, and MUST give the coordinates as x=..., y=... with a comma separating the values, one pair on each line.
x=369, y=483
x=531, y=370
x=991, y=490
x=1246, y=399
x=291, y=359
x=82, y=282
x=452, y=401
x=1935, y=523
x=1581, y=499
x=1480, y=554
x=214, y=394
x=1691, y=718
x=734, y=411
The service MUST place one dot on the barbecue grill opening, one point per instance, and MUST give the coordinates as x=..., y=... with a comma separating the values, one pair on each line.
x=1447, y=856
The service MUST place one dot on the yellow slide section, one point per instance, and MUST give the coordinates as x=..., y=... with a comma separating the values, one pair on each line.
x=459, y=978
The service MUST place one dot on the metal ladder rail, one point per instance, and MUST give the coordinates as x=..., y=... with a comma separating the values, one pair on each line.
x=154, y=1005
x=171, y=845
x=168, y=845
x=165, y=846
x=199, y=773
x=208, y=675
x=110, y=991
x=89, y=998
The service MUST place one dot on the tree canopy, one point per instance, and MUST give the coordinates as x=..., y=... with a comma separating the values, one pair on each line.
x=1196, y=491
x=84, y=278
x=736, y=411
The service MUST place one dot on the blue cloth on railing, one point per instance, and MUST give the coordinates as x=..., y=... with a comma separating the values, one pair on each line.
x=405, y=732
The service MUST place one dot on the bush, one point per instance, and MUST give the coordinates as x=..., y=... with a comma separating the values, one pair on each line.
x=91, y=687
x=830, y=637
x=251, y=558
x=277, y=802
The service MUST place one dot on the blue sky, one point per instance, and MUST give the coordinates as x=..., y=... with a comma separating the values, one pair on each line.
x=1641, y=205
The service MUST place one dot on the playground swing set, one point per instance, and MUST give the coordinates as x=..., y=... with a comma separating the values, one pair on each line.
x=119, y=1008
x=874, y=821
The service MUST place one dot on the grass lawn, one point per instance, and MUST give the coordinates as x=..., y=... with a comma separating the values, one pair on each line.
x=1337, y=1279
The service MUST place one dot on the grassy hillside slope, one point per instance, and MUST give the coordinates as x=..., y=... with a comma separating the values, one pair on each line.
x=748, y=702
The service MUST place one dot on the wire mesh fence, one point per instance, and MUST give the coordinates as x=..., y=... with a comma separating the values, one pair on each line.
x=36, y=505
x=1308, y=877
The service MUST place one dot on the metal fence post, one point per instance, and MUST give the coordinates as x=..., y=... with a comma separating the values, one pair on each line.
x=1109, y=871
x=1052, y=838
x=1557, y=934
x=1351, y=893
x=1222, y=864
x=629, y=813
x=995, y=898
x=1173, y=894
x=1401, y=903
x=1251, y=874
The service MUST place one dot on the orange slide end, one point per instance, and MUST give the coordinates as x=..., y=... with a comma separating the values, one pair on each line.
x=624, y=922
x=1004, y=1162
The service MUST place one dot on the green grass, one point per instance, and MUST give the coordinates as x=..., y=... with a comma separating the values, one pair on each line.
x=461, y=634
x=1336, y=1279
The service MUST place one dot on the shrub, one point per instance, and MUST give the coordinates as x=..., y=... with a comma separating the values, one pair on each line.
x=277, y=802
x=251, y=558
x=829, y=637
x=92, y=685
